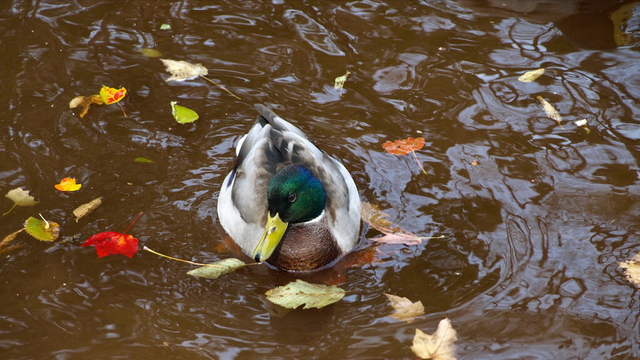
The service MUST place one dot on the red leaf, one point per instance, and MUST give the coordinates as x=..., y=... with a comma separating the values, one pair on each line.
x=112, y=243
x=110, y=95
x=404, y=146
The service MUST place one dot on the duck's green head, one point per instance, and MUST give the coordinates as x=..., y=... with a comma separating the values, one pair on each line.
x=294, y=195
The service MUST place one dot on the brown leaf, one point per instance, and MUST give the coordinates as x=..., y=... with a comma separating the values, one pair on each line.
x=439, y=346
x=551, y=112
x=403, y=146
x=85, y=102
x=405, y=309
x=86, y=209
x=393, y=234
x=182, y=70
x=9, y=238
x=632, y=269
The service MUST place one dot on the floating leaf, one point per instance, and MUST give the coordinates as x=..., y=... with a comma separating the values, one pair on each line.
x=182, y=114
x=393, y=234
x=583, y=124
x=217, y=269
x=110, y=95
x=42, y=230
x=404, y=146
x=86, y=209
x=182, y=70
x=142, y=160
x=531, y=75
x=165, y=27
x=68, y=184
x=85, y=102
x=301, y=292
x=112, y=243
x=551, y=112
x=152, y=53
x=339, y=82
x=8, y=239
x=405, y=309
x=439, y=346
x=632, y=269
x=20, y=197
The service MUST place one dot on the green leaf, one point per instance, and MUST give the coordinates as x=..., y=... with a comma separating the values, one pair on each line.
x=217, y=269
x=41, y=229
x=182, y=114
x=143, y=160
x=152, y=53
x=165, y=27
x=301, y=292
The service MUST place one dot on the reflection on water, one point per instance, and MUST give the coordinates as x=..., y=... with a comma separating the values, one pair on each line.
x=535, y=217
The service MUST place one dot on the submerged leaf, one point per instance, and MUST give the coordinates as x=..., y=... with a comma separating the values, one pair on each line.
x=393, y=234
x=182, y=114
x=111, y=96
x=301, y=292
x=551, y=112
x=20, y=197
x=531, y=75
x=85, y=102
x=439, y=346
x=404, y=146
x=182, y=70
x=112, y=243
x=8, y=239
x=68, y=184
x=153, y=53
x=142, y=160
x=165, y=27
x=217, y=269
x=42, y=230
x=632, y=269
x=86, y=209
x=405, y=309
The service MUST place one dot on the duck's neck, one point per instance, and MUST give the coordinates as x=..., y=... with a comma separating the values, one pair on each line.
x=305, y=247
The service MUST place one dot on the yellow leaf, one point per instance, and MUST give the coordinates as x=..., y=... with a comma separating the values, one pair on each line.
x=531, y=75
x=111, y=95
x=20, y=198
x=85, y=102
x=632, y=269
x=438, y=346
x=301, y=292
x=68, y=184
x=405, y=309
x=339, y=82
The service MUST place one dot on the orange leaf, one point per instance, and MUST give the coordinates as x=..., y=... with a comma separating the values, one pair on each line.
x=404, y=146
x=68, y=184
x=111, y=243
x=110, y=95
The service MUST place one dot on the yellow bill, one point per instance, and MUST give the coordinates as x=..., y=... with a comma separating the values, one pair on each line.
x=273, y=233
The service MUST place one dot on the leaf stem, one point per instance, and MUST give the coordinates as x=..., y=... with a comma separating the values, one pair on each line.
x=220, y=86
x=181, y=260
x=134, y=220
x=14, y=205
x=121, y=107
x=418, y=161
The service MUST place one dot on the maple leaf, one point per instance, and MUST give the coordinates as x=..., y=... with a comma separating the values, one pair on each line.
x=110, y=95
x=112, y=243
x=438, y=346
x=404, y=146
x=68, y=184
x=406, y=310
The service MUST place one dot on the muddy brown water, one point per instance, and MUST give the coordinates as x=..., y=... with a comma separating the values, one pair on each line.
x=533, y=233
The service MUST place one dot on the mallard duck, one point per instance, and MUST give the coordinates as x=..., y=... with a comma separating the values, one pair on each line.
x=286, y=202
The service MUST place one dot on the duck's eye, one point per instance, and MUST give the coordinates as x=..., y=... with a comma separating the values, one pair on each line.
x=292, y=197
